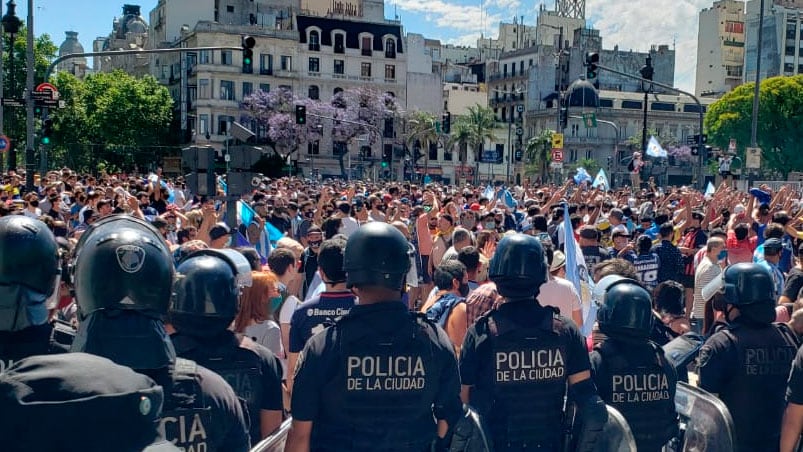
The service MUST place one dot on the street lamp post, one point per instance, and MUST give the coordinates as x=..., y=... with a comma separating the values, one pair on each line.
x=646, y=73
x=11, y=25
x=756, y=89
x=30, y=164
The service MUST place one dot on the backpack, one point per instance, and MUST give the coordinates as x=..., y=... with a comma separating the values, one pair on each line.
x=631, y=166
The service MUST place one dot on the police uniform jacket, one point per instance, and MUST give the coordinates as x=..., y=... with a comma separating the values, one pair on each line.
x=374, y=380
x=518, y=358
x=35, y=340
x=747, y=365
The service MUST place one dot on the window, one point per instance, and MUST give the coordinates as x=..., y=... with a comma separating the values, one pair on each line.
x=340, y=43
x=789, y=67
x=800, y=68
x=225, y=57
x=203, y=89
x=314, y=65
x=390, y=48
x=734, y=27
x=193, y=93
x=313, y=147
x=226, y=90
x=203, y=125
x=521, y=67
x=224, y=124
x=264, y=87
x=447, y=155
x=733, y=71
x=504, y=70
x=366, y=46
x=365, y=152
x=266, y=64
x=631, y=104
x=314, y=41
x=339, y=148
x=606, y=103
x=205, y=57
x=662, y=106
x=365, y=70
x=790, y=50
x=229, y=8
x=336, y=91
x=248, y=89
x=433, y=151
x=314, y=92
x=588, y=155
x=286, y=63
x=390, y=72
x=340, y=67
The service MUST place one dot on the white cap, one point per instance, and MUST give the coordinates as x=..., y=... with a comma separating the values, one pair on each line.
x=739, y=208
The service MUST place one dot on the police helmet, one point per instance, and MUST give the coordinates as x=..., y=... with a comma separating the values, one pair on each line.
x=29, y=272
x=742, y=284
x=206, y=292
x=377, y=254
x=122, y=263
x=519, y=266
x=625, y=308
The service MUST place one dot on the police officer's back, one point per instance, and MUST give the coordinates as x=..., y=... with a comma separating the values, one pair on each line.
x=29, y=277
x=630, y=371
x=519, y=360
x=123, y=275
x=77, y=402
x=381, y=376
x=205, y=302
x=747, y=363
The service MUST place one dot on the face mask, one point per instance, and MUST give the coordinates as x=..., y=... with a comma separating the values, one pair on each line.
x=275, y=302
x=490, y=225
x=463, y=289
x=309, y=214
x=468, y=223
x=722, y=255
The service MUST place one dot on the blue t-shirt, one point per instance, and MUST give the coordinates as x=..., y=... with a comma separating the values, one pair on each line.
x=647, y=269
x=315, y=315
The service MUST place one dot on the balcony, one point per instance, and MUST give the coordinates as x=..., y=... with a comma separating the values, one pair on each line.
x=367, y=52
x=314, y=47
x=266, y=71
x=390, y=55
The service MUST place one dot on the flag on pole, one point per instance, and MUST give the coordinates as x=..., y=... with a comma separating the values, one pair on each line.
x=601, y=181
x=577, y=273
x=488, y=193
x=582, y=176
x=710, y=189
x=221, y=184
x=654, y=148
x=267, y=236
x=507, y=198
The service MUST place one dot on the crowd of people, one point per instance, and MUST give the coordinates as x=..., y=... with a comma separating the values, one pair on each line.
x=726, y=265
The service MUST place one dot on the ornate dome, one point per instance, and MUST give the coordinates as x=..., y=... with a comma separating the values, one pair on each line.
x=136, y=26
x=582, y=93
x=71, y=44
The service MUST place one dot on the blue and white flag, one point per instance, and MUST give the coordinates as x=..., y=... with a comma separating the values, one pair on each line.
x=269, y=235
x=710, y=189
x=601, y=181
x=654, y=148
x=577, y=273
x=582, y=176
x=507, y=198
x=221, y=184
x=488, y=193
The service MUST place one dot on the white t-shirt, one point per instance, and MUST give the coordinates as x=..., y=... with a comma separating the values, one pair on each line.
x=560, y=293
x=35, y=215
x=348, y=226
x=288, y=308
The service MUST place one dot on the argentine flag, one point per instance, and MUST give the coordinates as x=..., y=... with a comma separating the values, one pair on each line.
x=582, y=176
x=654, y=149
x=601, y=181
x=578, y=274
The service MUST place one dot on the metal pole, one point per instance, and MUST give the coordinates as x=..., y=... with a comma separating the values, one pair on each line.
x=12, y=151
x=509, y=146
x=756, y=90
x=2, y=81
x=30, y=164
x=644, y=124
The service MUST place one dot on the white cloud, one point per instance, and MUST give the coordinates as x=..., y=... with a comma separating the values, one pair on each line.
x=468, y=40
x=638, y=26
x=447, y=16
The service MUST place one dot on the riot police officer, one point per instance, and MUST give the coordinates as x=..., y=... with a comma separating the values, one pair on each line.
x=519, y=360
x=630, y=371
x=29, y=276
x=205, y=302
x=747, y=363
x=123, y=275
x=380, y=377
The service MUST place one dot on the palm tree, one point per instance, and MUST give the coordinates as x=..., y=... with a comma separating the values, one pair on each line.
x=481, y=122
x=460, y=138
x=539, y=153
x=424, y=131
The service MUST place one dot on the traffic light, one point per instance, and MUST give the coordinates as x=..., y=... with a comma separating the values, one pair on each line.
x=564, y=118
x=592, y=58
x=248, y=44
x=447, y=122
x=47, y=131
x=301, y=114
x=647, y=70
x=519, y=154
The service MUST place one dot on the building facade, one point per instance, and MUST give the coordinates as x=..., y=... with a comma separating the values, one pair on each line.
x=782, y=46
x=75, y=66
x=720, y=48
x=129, y=32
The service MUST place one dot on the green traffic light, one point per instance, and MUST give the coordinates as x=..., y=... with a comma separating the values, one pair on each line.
x=384, y=164
x=247, y=61
x=45, y=140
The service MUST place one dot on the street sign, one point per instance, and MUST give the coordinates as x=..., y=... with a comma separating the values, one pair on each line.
x=519, y=108
x=556, y=165
x=557, y=141
x=557, y=155
x=590, y=120
x=13, y=102
x=752, y=158
x=519, y=131
x=47, y=88
x=5, y=143
x=732, y=145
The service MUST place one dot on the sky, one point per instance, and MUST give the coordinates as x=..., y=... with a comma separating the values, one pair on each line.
x=628, y=24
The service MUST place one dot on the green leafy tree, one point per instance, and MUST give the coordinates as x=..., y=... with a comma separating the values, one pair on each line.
x=459, y=138
x=422, y=130
x=481, y=122
x=539, y=153
x=109, y=110
x=44, y=52
x=779, y=118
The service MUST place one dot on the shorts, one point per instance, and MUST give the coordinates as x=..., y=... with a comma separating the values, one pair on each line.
x=424, y=277
x=687, y=281
x=725, y=173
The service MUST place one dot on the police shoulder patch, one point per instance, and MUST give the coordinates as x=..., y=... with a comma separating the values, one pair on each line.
x=130, y=258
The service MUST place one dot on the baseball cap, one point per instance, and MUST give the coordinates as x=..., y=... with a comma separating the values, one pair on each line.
x=588, y=232
x=474, y=206
x=218, y=231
